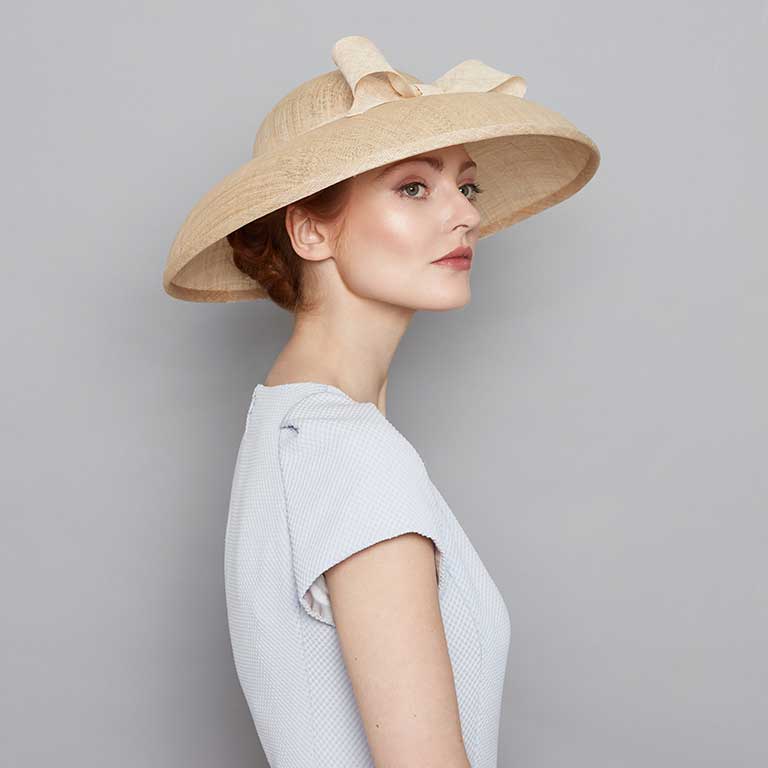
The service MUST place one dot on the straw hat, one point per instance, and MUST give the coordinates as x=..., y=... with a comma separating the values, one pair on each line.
x=363, y=115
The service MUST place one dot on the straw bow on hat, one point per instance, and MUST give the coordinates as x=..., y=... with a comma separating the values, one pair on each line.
x=366, y=114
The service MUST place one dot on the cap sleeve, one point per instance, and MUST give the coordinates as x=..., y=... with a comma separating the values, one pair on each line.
x=350, y=480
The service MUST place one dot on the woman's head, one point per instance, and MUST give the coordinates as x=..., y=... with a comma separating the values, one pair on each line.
x=375, y=235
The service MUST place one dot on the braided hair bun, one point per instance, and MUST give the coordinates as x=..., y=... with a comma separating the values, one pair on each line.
x=262, y=249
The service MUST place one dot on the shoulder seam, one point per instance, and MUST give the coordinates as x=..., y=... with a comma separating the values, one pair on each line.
x=289, y=412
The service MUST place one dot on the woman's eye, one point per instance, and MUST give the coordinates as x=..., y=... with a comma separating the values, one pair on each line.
x=476, y=190
x=410, y=185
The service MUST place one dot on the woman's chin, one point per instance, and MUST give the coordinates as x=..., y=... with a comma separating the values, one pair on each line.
x=451, y=299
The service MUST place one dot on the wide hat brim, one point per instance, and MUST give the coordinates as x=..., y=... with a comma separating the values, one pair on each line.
x=529, y=158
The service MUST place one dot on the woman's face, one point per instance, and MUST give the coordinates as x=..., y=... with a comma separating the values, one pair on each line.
x=400, y=219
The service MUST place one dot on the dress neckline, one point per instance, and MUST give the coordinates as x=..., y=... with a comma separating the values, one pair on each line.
x=331, y=387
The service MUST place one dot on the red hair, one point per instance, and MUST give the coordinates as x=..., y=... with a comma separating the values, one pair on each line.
x=262, y=248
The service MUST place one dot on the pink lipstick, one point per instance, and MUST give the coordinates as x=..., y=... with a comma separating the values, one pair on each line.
x=459, y=258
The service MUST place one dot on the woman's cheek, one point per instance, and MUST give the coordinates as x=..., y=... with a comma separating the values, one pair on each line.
x=398, y=225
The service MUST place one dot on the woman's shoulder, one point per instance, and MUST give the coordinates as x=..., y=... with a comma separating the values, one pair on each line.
x=330, y=405
x=329, y=422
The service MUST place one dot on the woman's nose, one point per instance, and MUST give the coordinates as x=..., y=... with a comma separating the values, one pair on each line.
x=465, y=211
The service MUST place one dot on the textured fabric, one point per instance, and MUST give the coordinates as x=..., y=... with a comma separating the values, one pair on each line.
x=318, y=477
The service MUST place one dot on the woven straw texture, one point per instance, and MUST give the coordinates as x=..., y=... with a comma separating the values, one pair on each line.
x=363, y=115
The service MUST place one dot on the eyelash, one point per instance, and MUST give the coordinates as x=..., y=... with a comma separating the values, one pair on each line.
x=477, y=189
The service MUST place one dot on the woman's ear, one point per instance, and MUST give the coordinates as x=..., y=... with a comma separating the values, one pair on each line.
x=309, y=238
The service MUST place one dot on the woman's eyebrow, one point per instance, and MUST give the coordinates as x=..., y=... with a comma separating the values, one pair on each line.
x=435, y=162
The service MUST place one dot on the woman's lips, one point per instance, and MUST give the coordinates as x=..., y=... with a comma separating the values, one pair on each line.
x=455, y=262
x=459, y=258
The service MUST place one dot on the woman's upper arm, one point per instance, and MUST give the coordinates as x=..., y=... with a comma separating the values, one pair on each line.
x=390, y=629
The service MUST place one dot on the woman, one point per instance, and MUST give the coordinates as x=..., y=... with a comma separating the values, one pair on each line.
x=366, y=630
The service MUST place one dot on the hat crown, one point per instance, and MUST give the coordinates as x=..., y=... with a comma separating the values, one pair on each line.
x=317, y=101
x=363, y=80
x=306, y=107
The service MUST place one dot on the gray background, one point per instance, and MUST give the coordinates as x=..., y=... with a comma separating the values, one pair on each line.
x=596, y=416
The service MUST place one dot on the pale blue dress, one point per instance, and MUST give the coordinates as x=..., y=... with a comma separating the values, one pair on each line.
x=318, y=477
